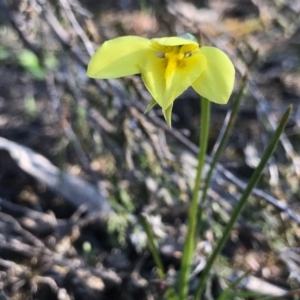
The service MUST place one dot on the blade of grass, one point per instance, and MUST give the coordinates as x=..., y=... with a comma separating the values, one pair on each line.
x=238, y=209
x=170, y=292
x=151, y=244
x=225, y=293
x=189, y=246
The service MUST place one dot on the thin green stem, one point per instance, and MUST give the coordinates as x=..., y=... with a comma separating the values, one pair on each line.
x=231, y=287
x=170, y=293
x=223, y=138
x=238, y=209
x=189, y=245
x=152, y=247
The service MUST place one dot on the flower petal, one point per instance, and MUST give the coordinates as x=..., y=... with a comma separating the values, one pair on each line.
x=164, y=82
x=216, y=82
x=168, y=115
x=173, y=41
x=119, y=57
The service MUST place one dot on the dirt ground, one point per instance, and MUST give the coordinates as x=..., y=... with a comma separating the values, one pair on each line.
x=80, y=161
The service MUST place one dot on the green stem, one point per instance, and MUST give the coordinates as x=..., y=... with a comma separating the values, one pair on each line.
x=238, y=209
x=232, y=286
x=170, y=293
x=189, y=245
x=152, y=246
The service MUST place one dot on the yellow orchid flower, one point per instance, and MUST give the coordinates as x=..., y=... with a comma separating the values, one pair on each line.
x=168, y=66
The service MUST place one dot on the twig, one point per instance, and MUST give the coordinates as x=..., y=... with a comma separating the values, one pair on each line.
x=87, y=43
x=13, y=225
x=40, y=223
x=59, y=31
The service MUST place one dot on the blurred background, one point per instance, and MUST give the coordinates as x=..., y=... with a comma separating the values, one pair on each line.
x=74, y=151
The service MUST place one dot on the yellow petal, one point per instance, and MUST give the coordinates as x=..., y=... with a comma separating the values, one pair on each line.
x=216, y=82
x=173, y=41
x=168, y=115
x=119, y=57
x=167, y=79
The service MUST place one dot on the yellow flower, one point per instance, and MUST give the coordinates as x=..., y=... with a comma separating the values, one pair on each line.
x=168, y=66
